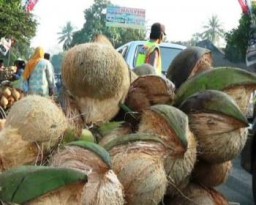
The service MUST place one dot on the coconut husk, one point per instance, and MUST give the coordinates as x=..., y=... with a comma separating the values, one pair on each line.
x=2, y=124
x=14, y=151
x=96, y=71
x=38, y=119
x=103, y=185
x=211, y=175
x=152, y=122
x=195, y=194
x=188, y=63
x=142, y=176
x=241, y=94
x=145, y=69
x=217, y=145
x=71, y=111
x=98, y=78
x=100, y=38
x=67, y=195
x=179, y=169
x=149, y=90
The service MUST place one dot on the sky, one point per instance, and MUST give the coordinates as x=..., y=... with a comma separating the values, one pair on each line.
x=182, y=18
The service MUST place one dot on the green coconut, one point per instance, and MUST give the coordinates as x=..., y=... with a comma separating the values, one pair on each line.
x=97, y=77
x=37, y=119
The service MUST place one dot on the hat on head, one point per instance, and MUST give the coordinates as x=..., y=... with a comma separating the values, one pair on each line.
x=156, y=30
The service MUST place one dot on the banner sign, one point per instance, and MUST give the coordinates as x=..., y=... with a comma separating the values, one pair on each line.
x=29, y=4
x=125, y=17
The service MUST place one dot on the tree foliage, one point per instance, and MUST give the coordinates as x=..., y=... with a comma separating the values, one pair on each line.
x=95, y=23
x=65, y=36
x=237, y=40
x=16, y=23
x=213, y=30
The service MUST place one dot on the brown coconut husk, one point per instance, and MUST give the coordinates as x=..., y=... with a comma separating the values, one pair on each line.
x=98, y=78
x=103, y=185
x=195, y=194
x=95, y=70
x=100, y=38
x=188, y=63
x=14, y=151
x=211, y=175
x=241, y=94
x=149, y=90
x=179, y=169
x=151, y=122
x=142, y=176
x=38, y=119
x=147, y=147
x=67, y=195
x=217, y=145
x=71, y=111
x=2, y=123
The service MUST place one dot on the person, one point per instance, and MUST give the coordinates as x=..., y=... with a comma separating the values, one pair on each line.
x=150, y=53
x=20, y=66
x=47, y=56
x=39, y=74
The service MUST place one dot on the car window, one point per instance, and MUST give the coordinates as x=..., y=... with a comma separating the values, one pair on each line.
x=136, y=55
x=167, y=53
x=123, y=51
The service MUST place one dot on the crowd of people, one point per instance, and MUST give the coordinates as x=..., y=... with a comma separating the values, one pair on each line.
x=35, y=76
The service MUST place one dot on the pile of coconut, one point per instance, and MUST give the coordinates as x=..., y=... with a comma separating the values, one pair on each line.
x=123, y=138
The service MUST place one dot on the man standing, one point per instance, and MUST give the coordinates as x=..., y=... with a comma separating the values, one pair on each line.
x=150, y=53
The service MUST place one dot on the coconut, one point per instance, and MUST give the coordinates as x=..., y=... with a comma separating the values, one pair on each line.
x=218, y=124
x=37, y=119
x=98, y=78
x=67, y=195
x=172, y=126
x=145, y=69
x=220, y=138
x=211, y=175
x=188, y=63
x=197, y=194
x=14, y=151
x=241, y=94
x=149, y=90
x=137, y=160
x=102, y=186
x=179, y=169
x=142, y=176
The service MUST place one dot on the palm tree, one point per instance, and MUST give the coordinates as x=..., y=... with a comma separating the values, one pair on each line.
x=66, y=35
x=213, y=30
